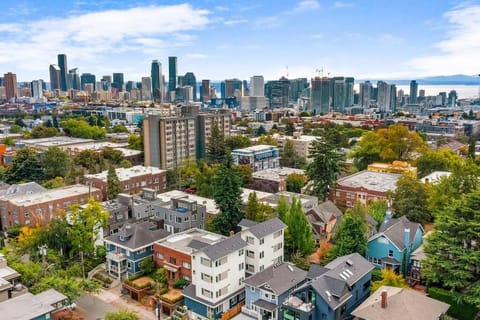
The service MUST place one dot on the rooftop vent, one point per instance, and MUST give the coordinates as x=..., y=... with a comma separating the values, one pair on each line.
x=349, y=262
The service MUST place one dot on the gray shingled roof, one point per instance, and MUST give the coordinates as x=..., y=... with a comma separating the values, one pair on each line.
x=225, y=247
x=315, y=270
x=394, y=229
x=141, y=235
x=323, y=287
x=265, y=305
x=277, y=279
x=349, y=268
x=21, y=189
x=265, y=228
x=197, y=244
x=247, y=223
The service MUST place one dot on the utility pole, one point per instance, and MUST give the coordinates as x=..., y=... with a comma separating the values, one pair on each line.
x=43, y=253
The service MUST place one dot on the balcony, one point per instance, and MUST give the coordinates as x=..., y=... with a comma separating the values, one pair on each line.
x=116, y=256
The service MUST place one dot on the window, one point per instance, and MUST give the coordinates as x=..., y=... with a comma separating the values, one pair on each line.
x=390, y=253
x=261, y=268
x=252, y=289
x=250, y=254
x=240, y=266
x=186, y=265
x=240, y=281
x=186, y=278
x=173, y=260
x=240, y=252
x=206, y=262
x=206, y=277
x=262, y=241
x=207, y=293
x=250, y=240
x=277, y=234
x=262, y=254
x=194, y=217
x=277, y=247
x=178, y=219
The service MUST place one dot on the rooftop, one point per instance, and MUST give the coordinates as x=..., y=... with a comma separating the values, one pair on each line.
x=435, y=176
x=189, y=240
x=124, y=174
x=137, y=236
x=274, y=174
x=278, y=278
x=51, y=195
x=402, y=304
x=29, y=306
x=222, y=248
x=209, y=203
x=374, y=181
x=262, y=229
x=59, y=141
x=256, y=148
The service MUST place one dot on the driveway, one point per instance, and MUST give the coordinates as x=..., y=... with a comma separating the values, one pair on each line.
x=91, y=307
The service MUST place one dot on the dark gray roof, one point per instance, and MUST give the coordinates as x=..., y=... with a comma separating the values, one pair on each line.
x=225, y=247
x=265, y=228
x=265, y=305
x=330, y=208
x=197, y=244
x=247, y=223
x=390, y=260
x=349, y=268
x=394, y=230
x=277, y=279
x=324, y=286
x=141, y=235
x=315, y=270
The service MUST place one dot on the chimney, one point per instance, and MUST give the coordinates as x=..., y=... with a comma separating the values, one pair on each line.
x=384, y=298
x=406, y=238
x=231, y=233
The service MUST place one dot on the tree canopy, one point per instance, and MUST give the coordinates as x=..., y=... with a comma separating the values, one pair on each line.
x=113, y=183
x=55, y=163
x=410, y=199
x=122, y=315
x=82, y=129
x=25, y=167
x=215, y=148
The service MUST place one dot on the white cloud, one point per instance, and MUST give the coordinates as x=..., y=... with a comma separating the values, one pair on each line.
x=306, y=5
x=91, y=38
x=458, y=52
x=342, y=4
x=235, y=22
x=317, y=36
x=195, y=56
x=267, y=22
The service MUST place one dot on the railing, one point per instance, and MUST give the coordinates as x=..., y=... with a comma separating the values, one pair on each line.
x=116, y=256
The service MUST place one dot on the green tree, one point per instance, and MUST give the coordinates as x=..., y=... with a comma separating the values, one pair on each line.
x=125, y=164
x=15, y=128
x=410, y=199
x=122, y=315
x=251, y=208
x=299, y=236
x=86, y=223
x=55, y=122
x=147, y=265
x=25, y=167
x=227, y=195
x=245, y=171
x=387, y=144
x=135, y=142
x=377, y=209
x=43, y=132
x=282, y=208
x=55, y=163
x=389, y=278
x=453, y=248
x=268, y=140
x=326, y=165
x=9, y=141
x=437, y=160
x=350, y=235
x=74, y=175
x=88, y=159
x=295, y=182
x=238, y=141
x=289, y=158
x=215, y=148
x=204, y=179
x=113, y=183
x=54, y=183
x=81, y=129
x=69, y=286
x=113, y=156
x=289, y=128
x=120, y=128
x=260, y=131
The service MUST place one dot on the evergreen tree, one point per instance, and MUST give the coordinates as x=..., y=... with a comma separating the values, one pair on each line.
x=325, y=166
x=113, y=183
x=389, y=278
x=227, y=195
x=203, y=180
x=251, y=209
x=216, y=147
x=282, y=208
x=25, y=167
x=453, y=249
x=300, y=236
x=351, y=235
x=55, y=163
x=410, y=199
x=55, y=122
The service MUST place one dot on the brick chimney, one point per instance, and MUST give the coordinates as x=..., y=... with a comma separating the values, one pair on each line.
x=384, y=298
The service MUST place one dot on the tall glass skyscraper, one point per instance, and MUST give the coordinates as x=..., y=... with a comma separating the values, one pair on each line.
x=189, y=79
x=413, y=91
x=55, y=77
x=172, y=73
x=157, y=83
x=62, y=63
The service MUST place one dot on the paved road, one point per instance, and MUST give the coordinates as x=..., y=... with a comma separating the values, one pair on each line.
x=91, y=307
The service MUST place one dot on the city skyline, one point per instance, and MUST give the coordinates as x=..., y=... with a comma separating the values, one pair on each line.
x=222, y=40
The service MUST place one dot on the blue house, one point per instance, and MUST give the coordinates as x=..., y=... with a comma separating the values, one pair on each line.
x=334, y=292
x=132, y=244
x=392, y=246
x=265, y=291
x=35, y=307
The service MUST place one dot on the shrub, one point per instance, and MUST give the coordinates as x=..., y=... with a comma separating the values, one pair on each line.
x=457, y=310
x=180, y=283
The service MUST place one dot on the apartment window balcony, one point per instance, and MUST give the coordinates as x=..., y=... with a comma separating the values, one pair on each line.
x=116, y=256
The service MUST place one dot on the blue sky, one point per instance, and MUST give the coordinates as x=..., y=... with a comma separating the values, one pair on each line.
x=218, y=39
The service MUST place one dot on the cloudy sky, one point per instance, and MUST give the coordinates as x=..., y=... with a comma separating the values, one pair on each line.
x=218, y=39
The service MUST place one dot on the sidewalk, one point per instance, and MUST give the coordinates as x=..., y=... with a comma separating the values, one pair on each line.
x=113, y=297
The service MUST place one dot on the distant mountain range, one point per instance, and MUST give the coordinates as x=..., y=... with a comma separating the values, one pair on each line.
x=457, y=79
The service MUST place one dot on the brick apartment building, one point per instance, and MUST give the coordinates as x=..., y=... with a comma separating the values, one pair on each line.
x=41, y=207
x=132, y=180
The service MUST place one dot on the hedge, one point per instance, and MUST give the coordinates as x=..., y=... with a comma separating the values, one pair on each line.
x=461, y=311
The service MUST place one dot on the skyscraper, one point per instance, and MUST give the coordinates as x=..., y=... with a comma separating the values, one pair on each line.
x=157, y=83
x=37, y=89
x=189, y=79
x=349, y=82
x=383, y=96
x=364, y=95
x=320, y=95
x=339, y=94
x=205, y=91
x=106, y=83
x=413, y=91
x=73, y=79
x=257, y=86
x=393, y=98
x=172, y=73
x=278, y=93
x=10, y=82
x=87, y=78
x=118, y=81
x=55, y=77
x=297, y=88
x=62, y=64
x=146, y=88
x=232, y=85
